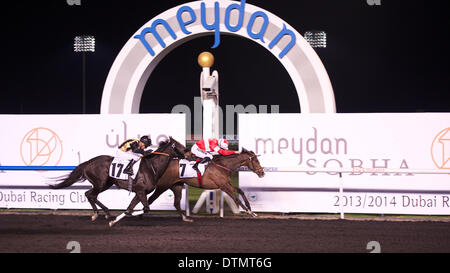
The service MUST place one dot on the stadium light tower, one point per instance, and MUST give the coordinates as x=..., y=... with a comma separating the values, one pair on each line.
x=316, y=38
x=83, y=44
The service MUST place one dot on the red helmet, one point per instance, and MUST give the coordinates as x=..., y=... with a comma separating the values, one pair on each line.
x=223, y=143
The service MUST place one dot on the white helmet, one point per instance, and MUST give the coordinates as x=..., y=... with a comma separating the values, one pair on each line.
x=223, y=143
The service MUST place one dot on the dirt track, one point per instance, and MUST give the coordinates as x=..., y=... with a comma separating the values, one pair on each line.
x=168, y=234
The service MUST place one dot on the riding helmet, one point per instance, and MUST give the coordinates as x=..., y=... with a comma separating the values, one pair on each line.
x=146, y=140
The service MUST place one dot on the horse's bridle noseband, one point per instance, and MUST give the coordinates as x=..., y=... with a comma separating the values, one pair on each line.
x=252, y=167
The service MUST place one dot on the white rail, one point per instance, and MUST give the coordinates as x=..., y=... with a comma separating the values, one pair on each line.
x=356, y=170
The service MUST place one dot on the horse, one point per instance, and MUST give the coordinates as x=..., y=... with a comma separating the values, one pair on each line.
x=217, y=176
x=96, y=171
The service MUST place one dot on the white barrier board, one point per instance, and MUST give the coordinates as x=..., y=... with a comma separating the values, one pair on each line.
x=68, y=140
x=369, y=141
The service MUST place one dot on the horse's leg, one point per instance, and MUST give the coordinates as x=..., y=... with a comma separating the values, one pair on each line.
x=128, y=212
x=133, y=204
x=103, y=207
x=158, y=191
x=176, y=189
x=143, y=198
x=231, y=191
x=91, y=196
x=246, y=201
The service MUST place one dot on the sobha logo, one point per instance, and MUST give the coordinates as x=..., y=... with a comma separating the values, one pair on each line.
x=440, y=149
x=41, y=146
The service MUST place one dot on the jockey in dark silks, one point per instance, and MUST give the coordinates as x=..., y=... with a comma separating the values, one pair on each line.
x=137, y=146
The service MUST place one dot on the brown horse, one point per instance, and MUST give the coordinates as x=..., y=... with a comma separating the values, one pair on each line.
x=96, y=171
x=217, y=176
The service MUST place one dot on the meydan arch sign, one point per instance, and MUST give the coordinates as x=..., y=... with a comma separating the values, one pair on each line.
x=147, y=47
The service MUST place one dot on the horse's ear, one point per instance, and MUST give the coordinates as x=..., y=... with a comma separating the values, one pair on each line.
x=244, y=150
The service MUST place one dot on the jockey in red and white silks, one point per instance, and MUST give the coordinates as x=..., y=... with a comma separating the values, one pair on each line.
x=203, y=150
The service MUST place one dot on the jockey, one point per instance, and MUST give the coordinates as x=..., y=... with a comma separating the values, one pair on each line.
x=137, y=146
x=203, y=150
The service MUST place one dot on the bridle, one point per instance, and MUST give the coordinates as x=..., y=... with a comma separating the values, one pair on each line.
x=173, y=146
x=258, y=170
x=179, y=154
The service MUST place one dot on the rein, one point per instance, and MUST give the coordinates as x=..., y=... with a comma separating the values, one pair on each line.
x=223, y=167
x=260, y=169
x=159, y=153
x=230, y=170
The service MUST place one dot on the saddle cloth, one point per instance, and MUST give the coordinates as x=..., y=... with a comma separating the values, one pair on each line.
x=120, y=161
x=185, y=169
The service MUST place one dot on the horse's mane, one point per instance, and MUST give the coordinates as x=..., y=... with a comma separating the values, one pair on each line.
x=163, y=144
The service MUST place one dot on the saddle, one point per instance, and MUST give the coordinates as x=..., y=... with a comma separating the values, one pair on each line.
x=186, y=170
x=120, y=161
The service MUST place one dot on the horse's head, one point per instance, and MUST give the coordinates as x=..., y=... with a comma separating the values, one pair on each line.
x=252, y=162
x=172, y=147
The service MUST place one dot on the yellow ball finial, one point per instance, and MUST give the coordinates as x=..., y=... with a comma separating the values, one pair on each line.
x=205, y=59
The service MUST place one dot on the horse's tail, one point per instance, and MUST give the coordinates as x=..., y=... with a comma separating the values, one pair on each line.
x=76, y=175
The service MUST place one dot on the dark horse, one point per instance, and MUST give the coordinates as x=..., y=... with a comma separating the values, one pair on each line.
x=96, y=171
x=216, y=176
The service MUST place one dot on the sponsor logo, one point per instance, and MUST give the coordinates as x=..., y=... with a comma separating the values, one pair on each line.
x=440, y=149
x=41, y=147
x=252, y=197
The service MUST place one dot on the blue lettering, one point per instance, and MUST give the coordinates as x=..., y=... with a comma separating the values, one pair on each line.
x=152, y=29
x=262, y=31
x=283, y=32
x=215, y=26
x=180, y=19
x=241, y=9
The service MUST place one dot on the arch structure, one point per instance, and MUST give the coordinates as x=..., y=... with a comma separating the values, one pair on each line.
x=147, y=47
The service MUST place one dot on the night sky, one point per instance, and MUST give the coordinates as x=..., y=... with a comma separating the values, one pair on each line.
x=388, y=58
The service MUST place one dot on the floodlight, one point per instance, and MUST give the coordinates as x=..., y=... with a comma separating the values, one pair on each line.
x=84, y=43
x=316, y=38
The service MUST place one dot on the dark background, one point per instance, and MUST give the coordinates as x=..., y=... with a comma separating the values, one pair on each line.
x=388, y=58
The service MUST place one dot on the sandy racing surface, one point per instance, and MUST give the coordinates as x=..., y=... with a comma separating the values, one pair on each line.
x=52, y=232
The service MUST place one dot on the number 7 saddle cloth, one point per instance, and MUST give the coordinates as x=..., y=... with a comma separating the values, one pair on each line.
x=120, y=161
x=185, y=169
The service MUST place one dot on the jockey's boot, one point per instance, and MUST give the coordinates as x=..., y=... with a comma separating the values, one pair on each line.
x=199, y=161
x=129, y=170
x=130, y=183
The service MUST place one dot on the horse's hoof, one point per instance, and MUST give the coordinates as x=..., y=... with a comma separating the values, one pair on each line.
x=111, y=223
x=253, y=214
x=187, y=220
x=94, y=217
x=107, y=216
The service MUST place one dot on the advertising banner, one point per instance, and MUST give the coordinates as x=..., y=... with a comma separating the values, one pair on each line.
x=69, y=140
x=362, y=142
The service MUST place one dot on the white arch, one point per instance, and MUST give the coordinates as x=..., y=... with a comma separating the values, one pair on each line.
x=132, y=67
